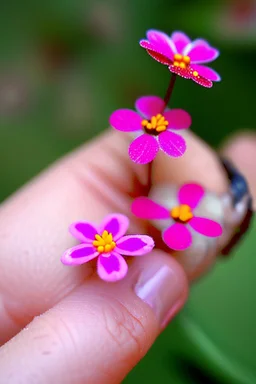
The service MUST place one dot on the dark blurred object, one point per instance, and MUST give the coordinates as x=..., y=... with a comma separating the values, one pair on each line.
x=55, y=54
x=195, y=374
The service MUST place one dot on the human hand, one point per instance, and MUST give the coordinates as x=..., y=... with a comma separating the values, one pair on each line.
x=79, y=329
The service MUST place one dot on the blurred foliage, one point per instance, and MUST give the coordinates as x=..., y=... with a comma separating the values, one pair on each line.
x=67, y=64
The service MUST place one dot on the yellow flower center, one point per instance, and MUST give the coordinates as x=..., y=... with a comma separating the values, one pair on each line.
x=183, y=62
x=104, y=243
x=155, y=125
x=182, y=213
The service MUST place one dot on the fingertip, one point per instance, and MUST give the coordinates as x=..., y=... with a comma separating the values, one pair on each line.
x=241, y=150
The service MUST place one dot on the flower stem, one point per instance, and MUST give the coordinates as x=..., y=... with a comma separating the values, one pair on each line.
x=167, y=98
x=149, y=184
x=169, y=89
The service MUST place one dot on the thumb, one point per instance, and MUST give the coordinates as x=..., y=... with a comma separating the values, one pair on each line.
x=100, y=331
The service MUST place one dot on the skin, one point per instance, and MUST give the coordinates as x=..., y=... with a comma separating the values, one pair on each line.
x=62, y=324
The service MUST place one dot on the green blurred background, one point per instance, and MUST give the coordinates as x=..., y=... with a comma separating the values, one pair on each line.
x=65, y=66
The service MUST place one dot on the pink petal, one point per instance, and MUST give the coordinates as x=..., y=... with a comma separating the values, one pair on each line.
x=187, y=73
x=178, y=118
x=191, y=194
x=183, y=72
x=112, y=268
x=177, y=237
x=145, y=208
x=125, y=120
x=206, y=226
x=135, y=245
x=201, y=80
x=163, y=43
x=206, y=72
x=79, y=254
x=143, y=149
x=180, y=40
x=149, y=106
x=83, y=231
x=172, y=144
x=153, y=51
x=201, y=52
x=116, y=224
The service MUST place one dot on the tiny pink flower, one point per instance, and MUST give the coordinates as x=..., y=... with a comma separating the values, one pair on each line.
x=107, y=243
x=156, y=127
x=183, y=56
x=181, y=217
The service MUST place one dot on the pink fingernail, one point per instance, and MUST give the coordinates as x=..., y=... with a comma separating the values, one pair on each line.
x=163, y=290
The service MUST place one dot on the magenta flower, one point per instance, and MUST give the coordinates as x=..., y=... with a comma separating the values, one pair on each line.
x=183, y=56
x=180, y=216
x=155, y=125
x=107, y=243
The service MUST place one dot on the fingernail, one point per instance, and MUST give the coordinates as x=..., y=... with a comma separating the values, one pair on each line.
x=162, y=288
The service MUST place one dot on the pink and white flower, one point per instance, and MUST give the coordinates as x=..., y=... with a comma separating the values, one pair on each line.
x=156, y=126
x=183, y=56
x=179, y=217
x=107, y=243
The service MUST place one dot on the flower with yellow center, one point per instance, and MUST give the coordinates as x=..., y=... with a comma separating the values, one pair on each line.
x=182, y=213
x=156, y=124
x=183, y=62
x=104, y=243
